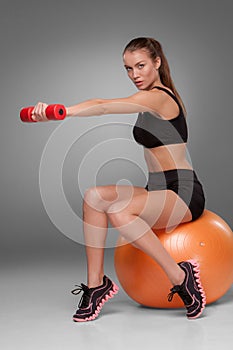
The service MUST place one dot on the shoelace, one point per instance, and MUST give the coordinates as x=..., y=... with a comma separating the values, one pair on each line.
x=182, y=293
x=84, y=301
x=174, y=290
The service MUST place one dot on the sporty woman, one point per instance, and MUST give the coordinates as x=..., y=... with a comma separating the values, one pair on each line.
x=173, y=194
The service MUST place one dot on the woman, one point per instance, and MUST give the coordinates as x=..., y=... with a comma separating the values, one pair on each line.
x=173, y=194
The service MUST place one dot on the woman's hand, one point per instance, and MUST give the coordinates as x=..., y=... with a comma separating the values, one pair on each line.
x=38, y=113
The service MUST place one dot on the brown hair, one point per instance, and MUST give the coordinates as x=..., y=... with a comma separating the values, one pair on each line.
x=154, y=49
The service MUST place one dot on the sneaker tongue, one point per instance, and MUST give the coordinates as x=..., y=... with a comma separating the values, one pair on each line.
x=84, y=287
x=84, y=302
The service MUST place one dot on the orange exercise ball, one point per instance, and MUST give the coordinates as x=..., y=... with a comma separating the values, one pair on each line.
x=208, y=240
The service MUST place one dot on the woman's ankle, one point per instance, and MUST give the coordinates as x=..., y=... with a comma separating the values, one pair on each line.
x=95, y=281
x=179, y=279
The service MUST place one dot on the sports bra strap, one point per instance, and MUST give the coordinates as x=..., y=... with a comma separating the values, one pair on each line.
x=170, y=94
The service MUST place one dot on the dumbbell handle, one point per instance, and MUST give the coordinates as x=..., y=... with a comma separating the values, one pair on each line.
x=53, y=112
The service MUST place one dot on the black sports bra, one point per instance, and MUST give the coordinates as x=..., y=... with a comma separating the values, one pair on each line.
x=152, y=131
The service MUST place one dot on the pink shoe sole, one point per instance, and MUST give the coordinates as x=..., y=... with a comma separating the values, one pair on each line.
x=196, y=269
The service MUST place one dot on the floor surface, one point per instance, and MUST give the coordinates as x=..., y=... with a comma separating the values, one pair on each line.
x=37, y=307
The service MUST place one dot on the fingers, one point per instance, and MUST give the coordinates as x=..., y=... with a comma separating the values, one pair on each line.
x=38, y=113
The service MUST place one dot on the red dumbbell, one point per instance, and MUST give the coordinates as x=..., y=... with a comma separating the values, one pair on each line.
x=53, y=112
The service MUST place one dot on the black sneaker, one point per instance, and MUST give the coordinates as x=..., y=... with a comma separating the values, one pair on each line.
x=191, y=290
x=93, y=299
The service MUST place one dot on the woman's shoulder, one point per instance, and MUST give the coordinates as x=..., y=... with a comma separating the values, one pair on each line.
x=150, y=98
x=157, y=100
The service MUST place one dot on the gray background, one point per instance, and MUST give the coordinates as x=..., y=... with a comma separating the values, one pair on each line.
x=69, y=51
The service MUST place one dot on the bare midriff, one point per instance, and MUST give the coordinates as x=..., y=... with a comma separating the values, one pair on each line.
x=167, y=158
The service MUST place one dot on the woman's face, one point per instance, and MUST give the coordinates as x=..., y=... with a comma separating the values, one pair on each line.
x=141, y=69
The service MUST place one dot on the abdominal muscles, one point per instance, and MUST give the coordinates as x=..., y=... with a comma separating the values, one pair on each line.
x=167, y=157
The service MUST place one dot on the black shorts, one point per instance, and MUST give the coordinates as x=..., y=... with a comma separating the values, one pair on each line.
x=185, y=183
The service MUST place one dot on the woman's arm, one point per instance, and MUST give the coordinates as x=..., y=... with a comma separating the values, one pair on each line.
x=140, y=102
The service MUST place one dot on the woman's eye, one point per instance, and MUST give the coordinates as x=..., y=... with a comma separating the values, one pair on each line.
x=140, y=66
x=128, y=69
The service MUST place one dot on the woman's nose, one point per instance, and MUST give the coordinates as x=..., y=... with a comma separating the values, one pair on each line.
x=135, y=73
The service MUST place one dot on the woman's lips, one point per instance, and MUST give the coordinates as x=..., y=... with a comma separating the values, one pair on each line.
x=138, y=83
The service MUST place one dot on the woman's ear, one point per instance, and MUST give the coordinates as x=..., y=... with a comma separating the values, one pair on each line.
x=157, y=62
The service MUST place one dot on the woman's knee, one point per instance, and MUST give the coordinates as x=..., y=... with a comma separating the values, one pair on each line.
x=91, y=199
x=99, y=198
x=117, y=214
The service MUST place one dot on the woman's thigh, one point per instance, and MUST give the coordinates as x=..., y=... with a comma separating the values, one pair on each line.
x=160, y=209
x=101, y=198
